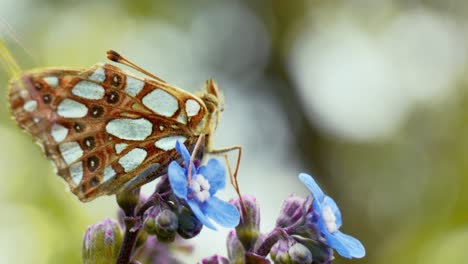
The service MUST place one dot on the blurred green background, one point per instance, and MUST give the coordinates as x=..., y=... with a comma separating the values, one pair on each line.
x=369, y=96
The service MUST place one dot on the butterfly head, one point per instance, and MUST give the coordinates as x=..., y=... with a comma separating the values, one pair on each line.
x=214, y=102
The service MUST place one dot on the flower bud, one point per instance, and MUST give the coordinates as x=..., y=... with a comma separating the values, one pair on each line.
x=215, y=259
x=101, y=243
x=321, y=252
x=248, y=229
x=235, y=248
x=166, y=223
x=149, y=222
x=279, y=252
x=128, y=200
x=299, y=254
x=288, y=251
x=292, y=210
x=141, y=239
x=189, y=225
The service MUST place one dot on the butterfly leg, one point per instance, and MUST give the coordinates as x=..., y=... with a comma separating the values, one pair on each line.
x=192, y=157
x=232, y=176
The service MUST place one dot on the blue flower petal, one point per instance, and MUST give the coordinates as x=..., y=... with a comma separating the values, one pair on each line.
x=328, y=201
x=200, y=215
x=184, y=152
x=214, y=172
x=177, y=179
x=347, y=246
x=317, y=206
x=336, y=244
x=312, y=186
x=223, y=213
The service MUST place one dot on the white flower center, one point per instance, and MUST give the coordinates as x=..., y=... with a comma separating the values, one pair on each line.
x=200, y=188
x=330, y=219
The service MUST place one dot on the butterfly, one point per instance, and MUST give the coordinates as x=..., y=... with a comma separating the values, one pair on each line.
x=107, y=130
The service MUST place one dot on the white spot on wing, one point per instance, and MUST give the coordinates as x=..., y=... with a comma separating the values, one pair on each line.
x=99, y=75
x=30, y=106
x=58, y=132
x=70, y=151
x=181, y=119
x=88, y=90
x=24, y=94
x=161, y=102
x=133, y=86
x=71, y=109
x=52, y=81
x=120, y=147
x=168, y=143
x=132, y=159
x=130, y=129
x=192, y=107
x=109, y=172
x=76, y=172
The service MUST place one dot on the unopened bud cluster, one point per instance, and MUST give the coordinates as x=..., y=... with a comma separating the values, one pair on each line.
x=306, y=231
x=293, y=241
x=163, y=224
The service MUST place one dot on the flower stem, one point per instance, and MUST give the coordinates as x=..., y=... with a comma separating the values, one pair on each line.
x=133, y=224
x=130, y=237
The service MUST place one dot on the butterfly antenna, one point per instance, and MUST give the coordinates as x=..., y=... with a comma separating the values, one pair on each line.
x=8, y=61
x=116, y=57
x=5, y=27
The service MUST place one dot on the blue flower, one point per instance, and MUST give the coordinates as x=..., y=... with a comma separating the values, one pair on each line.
x=329, y=222
x=199, y=192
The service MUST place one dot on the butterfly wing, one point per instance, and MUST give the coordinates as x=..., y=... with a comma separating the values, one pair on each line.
x=105, y=130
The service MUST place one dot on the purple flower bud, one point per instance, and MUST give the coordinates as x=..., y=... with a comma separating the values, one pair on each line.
x=166, y=224
x=248, y=229
x=101, y=242
x=294, y=208
x=189, y=225
x=215, y=259
x=235, y=249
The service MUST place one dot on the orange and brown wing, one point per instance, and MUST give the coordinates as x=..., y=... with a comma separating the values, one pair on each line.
x=104, y=129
